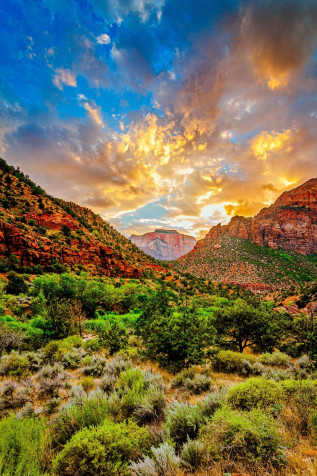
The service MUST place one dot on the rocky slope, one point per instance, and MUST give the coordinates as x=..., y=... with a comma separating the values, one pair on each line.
x=164, y=244
x=278, y=245
x=290, y=223
x=37, y=229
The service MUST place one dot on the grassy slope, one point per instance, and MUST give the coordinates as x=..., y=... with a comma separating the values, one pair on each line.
x=239, y=260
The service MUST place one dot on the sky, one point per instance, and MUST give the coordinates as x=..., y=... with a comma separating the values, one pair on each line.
x=161, y=113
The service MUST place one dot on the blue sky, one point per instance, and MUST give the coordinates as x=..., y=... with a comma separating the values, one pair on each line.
x=160, y=112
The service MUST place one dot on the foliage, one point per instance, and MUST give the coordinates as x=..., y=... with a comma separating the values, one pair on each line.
x=14, y=364
x=103, y=450
x=233, y=362
x=278, y=359
x=176, y=340
x=81, y=412
x=244, y=325
x=255, y=393
x=21, y=444
x=243, y=437
x=162, y=461
x=16, y=284
x=192, y=454
x=183, y=421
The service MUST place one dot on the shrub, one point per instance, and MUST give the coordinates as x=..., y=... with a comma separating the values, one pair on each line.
x=163, y=461
x=107, y=383
x=313, y=422
x=183, y=421
x=10, y=338
x=73, y=358
x=16, y=284
x=91, y=345
x=113, y=336
x=35, y=360
x=95, y=366
x=82, y=411
x=20, y=446
x=235, y=437
x=139, y=395
x=304, y=362
x=182, y=377
x=199, y=384
x=278, y=359
x=51, y=405
x=51, y=379
x=117, y=365
x=302, y=395
x=192, y=454
x=104, y=450
x=232, y=362
x=278, y=375
x=13, y=397
x=255, y=393
x=304, y=367
x=87, y=383
x=194, y=383
x=212, y=402
x=14, y=364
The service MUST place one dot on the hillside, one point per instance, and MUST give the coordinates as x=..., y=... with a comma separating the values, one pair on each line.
x=290, y=223
x=38, y=229
x=277, y=246
x=164, y=244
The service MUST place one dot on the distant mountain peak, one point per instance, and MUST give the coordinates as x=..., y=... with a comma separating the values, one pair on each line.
x=163, y=230
x=164, y=244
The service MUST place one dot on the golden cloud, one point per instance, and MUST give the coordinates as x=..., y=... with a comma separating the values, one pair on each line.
x=266, y=143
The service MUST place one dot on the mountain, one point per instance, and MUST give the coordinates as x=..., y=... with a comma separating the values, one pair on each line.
x=290, y=223
x=38, y=229
x=164, y=244
x=278, y=245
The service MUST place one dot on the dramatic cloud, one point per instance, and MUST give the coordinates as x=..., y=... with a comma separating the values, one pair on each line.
x=191, y=114
x=278, y=38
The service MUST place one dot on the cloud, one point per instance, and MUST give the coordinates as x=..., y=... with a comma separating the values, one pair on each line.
x=214, y=139
x=94, y=112
x=265, y=144
x=64, y=77
x=103, y=39
x=278, y=38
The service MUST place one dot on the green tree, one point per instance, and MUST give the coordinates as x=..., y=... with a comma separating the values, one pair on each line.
x=244, y=325
x=16, y=284
x=175, y=339
x=113, y=336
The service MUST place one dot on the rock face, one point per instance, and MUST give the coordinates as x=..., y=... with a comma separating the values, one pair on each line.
x=248, y=250
x=164, y=244
x=290, y=223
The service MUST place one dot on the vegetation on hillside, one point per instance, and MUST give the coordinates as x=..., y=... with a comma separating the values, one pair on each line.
x=232, y=259
x=23, y=203
x=155, y=377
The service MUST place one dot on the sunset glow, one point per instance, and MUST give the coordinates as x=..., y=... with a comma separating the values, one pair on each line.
x=161, y=113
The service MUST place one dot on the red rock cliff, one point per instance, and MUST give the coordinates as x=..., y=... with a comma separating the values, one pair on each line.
x=290, y=223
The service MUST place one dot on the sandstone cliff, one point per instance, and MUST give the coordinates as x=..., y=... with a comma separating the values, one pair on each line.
x=164, y=244
x=277, y=246
x=290, y=223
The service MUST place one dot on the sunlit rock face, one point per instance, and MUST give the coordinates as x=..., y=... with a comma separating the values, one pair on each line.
x=290, y=223
x=164, y=244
